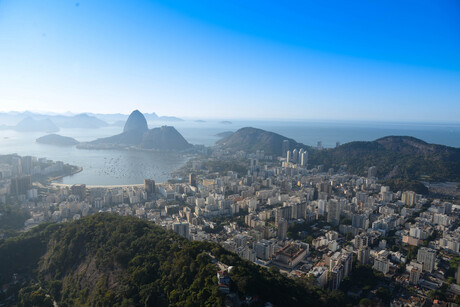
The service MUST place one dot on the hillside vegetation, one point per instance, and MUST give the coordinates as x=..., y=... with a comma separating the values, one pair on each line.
x=399, y=157
x=110, y=260
x=12, y=218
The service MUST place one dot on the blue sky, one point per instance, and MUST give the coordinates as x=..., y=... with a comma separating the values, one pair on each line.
x=348, y=60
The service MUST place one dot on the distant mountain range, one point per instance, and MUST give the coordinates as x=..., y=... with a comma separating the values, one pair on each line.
x=27, y=121
x=123, y=117
x=137, y=134
x=37, y=122
x=78, y=121
x=30, y=125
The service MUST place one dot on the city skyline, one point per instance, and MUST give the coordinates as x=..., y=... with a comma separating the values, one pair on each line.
x=361, y=61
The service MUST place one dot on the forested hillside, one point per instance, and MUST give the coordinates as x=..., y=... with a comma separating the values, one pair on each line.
x=110, y=260
x=400, y=157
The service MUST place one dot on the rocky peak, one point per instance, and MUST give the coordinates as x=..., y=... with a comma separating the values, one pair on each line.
x=136, y=121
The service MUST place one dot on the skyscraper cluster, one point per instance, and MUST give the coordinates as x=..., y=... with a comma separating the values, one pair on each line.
x=299, y=157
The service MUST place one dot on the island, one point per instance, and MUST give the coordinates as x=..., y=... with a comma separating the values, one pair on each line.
x=56, y=139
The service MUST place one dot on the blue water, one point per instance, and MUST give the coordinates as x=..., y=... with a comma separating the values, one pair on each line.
x=111, y=167
x=100, y=167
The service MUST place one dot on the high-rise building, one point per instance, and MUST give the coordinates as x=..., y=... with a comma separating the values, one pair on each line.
x=319, y=145
x=79, y=190
x=321, y=207
x=427, y=256
x=192, y=179
x=408, y=198
x=283, y=213
x=361, y=241
x=363, y=255
x=282, y=229
x=264, y=249
x=284, y=148
x=336, y=276
x=333, y=212
x=340, y=266
x=304, y=159
x=182, y=229
x=295, y=156
x=347, y=260
x=382, y=264
x=414, y=276
x=361, y=197
x=149, y=186
x=458, y=275
x=27, y=163
x=324, y=187
x=20, y=185
x=359, y=221
x=289, y=157
x=17, y=166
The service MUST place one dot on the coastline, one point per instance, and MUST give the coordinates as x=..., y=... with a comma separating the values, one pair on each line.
x=78, y=170
x=64, y=185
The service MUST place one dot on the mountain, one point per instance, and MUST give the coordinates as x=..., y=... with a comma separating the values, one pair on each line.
x=129, y=138
x=136, y=121
x=82, y=121
x=151, y=116
x=56, y=139
x=137, y=134
x=132, y=135
x=164, y=138
x=251, y=139
x=29, y=124
x=62, y=121
x=400, y=157
x=111, y=260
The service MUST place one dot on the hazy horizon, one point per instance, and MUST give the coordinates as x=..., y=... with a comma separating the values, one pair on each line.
x=326, y=61
x=242, y=119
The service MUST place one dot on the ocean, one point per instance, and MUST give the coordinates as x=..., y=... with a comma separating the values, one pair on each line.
x=120, y=167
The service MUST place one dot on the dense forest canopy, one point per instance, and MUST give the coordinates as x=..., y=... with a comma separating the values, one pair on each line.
x=110, y=260
x=396, y=157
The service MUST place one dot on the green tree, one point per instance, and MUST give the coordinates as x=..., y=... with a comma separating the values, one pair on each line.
x=365, y=302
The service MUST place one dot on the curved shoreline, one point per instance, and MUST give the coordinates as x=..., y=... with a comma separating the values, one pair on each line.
x=66, y=185
x=78, y=170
